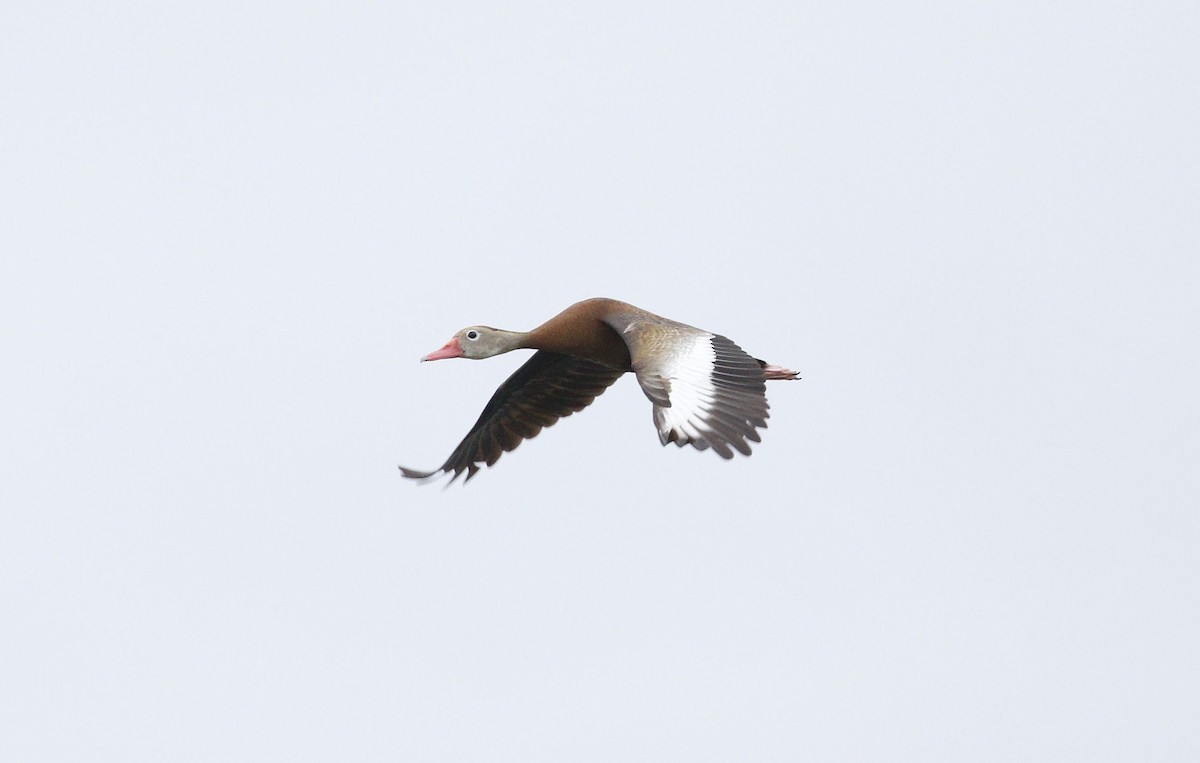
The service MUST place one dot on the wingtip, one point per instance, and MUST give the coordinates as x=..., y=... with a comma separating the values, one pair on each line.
x=413, y=474
x=437, y=474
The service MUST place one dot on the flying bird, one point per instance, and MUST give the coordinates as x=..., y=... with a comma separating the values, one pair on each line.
x=706, y=391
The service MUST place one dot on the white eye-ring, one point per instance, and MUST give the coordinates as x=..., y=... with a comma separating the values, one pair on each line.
x=472, y=334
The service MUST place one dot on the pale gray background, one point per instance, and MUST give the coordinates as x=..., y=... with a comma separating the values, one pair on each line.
x=229, y=230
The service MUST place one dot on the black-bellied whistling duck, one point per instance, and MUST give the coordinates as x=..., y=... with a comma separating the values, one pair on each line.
x=706, y=391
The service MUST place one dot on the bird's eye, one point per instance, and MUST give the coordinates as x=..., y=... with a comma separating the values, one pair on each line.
x=472, y=334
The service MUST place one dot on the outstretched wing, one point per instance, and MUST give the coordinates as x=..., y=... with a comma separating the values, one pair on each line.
x=548, y=387
x=706, y=391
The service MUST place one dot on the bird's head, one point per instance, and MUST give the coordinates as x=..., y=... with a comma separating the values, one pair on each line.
x=476, y=343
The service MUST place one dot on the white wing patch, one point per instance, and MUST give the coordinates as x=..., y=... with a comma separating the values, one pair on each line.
x=714, y=395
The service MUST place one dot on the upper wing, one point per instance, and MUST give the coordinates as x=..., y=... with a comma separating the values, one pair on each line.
x=706, y=390
x=548, y=387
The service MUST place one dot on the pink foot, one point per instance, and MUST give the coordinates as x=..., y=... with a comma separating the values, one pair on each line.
x=779, y=372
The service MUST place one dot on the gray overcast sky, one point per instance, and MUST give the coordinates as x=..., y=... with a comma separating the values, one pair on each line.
x=230, y=229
